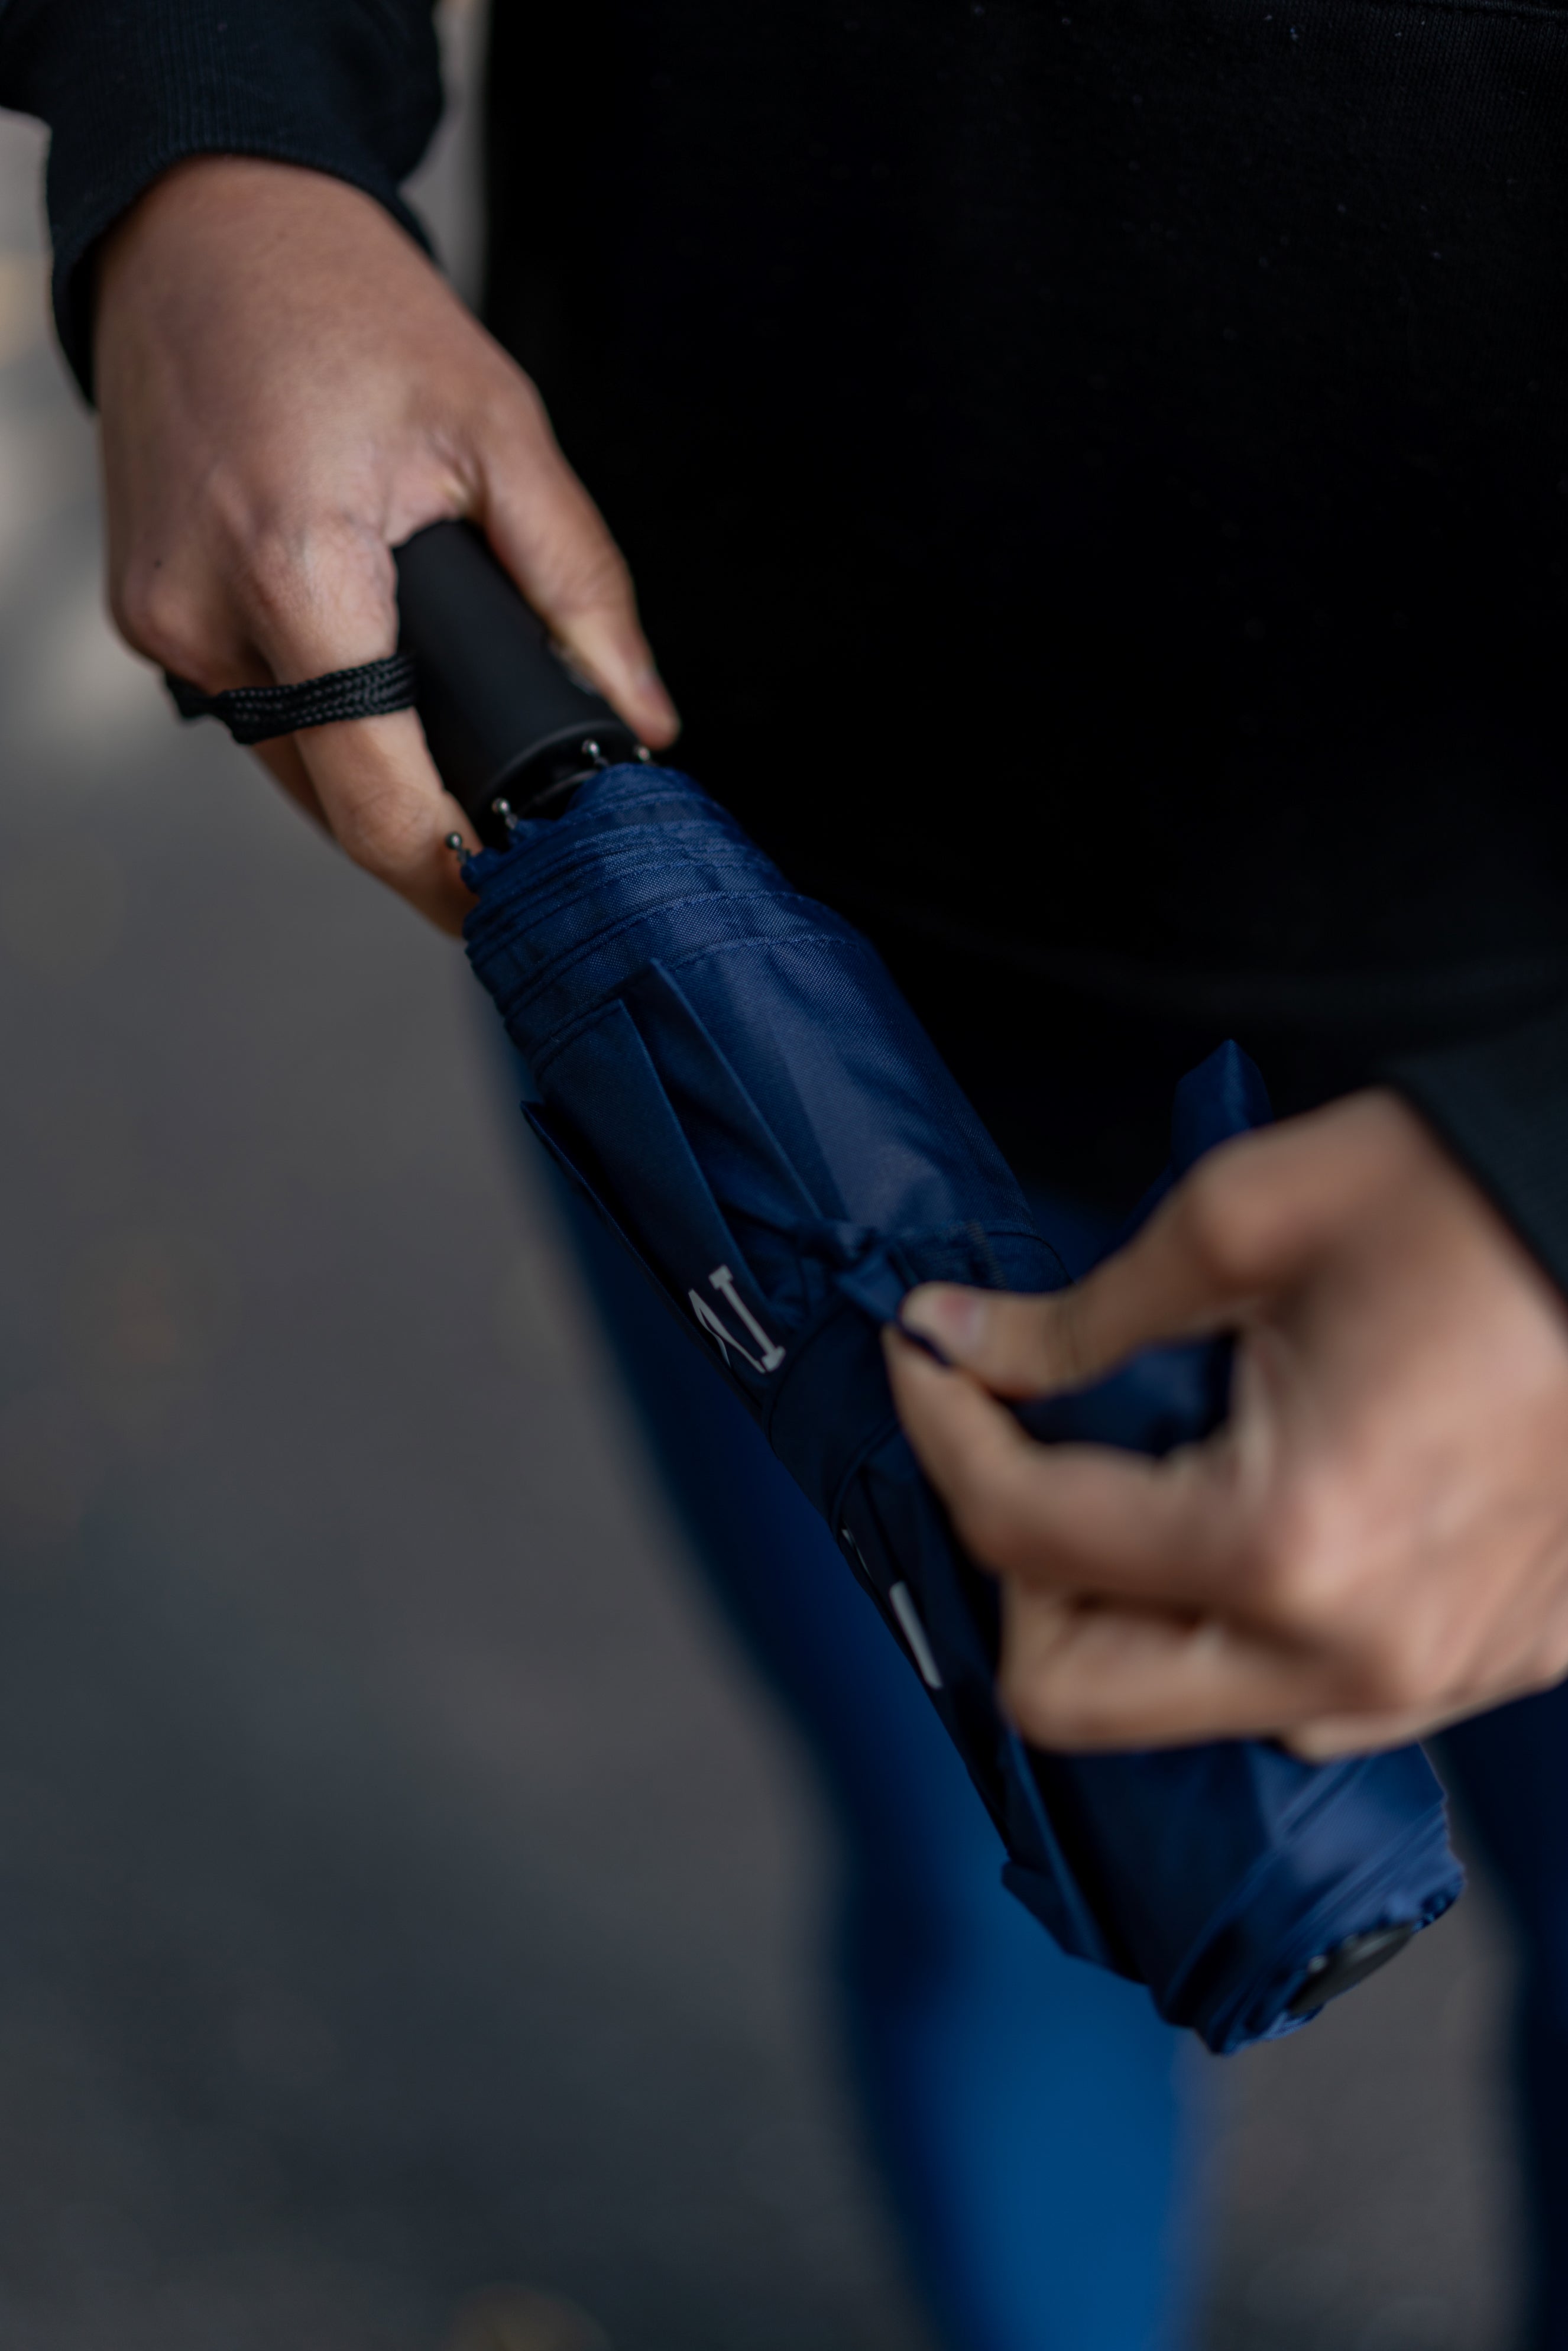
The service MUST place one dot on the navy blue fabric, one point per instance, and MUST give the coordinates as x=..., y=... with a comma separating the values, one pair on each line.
x=727, y=1069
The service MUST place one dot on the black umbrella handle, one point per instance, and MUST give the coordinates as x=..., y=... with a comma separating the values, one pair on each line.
x=511, y=729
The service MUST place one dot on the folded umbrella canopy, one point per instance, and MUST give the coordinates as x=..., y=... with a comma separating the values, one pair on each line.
x=727, y=1071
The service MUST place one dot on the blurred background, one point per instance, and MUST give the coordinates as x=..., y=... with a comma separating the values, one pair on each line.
x=402, y=1887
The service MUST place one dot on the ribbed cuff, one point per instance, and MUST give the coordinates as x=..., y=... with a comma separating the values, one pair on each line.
x=129, y=88
x=1500, y=1103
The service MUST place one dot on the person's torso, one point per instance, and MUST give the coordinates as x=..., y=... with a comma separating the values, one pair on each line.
x=1097, y=475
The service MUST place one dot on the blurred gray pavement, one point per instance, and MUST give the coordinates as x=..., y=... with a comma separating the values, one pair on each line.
x=403, y=1888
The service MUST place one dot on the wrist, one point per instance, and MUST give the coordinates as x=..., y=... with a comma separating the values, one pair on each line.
x=213, y=214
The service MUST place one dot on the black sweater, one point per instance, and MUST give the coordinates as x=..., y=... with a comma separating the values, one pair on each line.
x=1098, y=484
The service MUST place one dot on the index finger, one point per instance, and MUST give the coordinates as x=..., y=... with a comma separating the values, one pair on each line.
x=1069, y=1518
x=388, y=808
x=1240, y=1227
x=329, y=602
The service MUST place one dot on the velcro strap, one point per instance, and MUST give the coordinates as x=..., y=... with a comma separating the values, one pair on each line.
x=256, y=714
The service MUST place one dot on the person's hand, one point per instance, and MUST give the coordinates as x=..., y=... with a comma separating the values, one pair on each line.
x=288, y=388
x=1376, y=1540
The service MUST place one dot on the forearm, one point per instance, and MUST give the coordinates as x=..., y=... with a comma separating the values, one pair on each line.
x=129, y=88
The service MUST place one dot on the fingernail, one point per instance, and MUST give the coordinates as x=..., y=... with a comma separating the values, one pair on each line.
x=952, y=1319
x=654, y=695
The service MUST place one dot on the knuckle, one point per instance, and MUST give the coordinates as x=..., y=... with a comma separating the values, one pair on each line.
x=1544, y=1671
x=991, y=1526
x=1052, y=1340
x=157, y=616
x=1044, y=1707
x=593, y=576
x=1297, y=1577
x=292, y=573
x=520, y=411
x=1024, y=1696
x=271, y=573
x=1315, y=1583
x=276, y=573
x=1308, y=1562
x=1392, y=1674
x=1222, y=1222
x=506, y=403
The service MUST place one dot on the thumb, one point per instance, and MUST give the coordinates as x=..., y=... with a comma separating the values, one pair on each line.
x=556, y=544
x=1213, y=1247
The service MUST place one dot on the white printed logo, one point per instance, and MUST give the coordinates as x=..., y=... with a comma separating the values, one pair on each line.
x=723, y=1280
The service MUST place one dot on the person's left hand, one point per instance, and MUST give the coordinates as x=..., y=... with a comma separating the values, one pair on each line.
x=1375, y=1541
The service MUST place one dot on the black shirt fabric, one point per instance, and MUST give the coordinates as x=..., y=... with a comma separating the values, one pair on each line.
x=130, y=87
x=1097, y=481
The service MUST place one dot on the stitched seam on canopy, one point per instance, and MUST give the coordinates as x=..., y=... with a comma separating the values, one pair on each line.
x=543, y=905
x=553, y=888
x=518, y=1004
x=550, y=889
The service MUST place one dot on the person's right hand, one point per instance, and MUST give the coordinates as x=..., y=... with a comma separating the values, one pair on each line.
x=289, y=388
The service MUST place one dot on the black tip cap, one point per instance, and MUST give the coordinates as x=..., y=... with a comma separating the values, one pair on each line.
x=1358, y=1957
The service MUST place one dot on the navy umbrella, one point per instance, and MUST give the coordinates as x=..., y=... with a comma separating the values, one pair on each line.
x=727, y=1069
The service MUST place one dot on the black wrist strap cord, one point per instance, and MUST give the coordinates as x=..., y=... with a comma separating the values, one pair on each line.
x=512, y=729
x=259, y=713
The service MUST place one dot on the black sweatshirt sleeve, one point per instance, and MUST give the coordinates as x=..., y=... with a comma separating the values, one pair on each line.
x=130, y=87
x=1500, y=1103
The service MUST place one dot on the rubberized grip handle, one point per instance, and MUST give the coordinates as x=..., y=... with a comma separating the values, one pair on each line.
x=511, y=730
